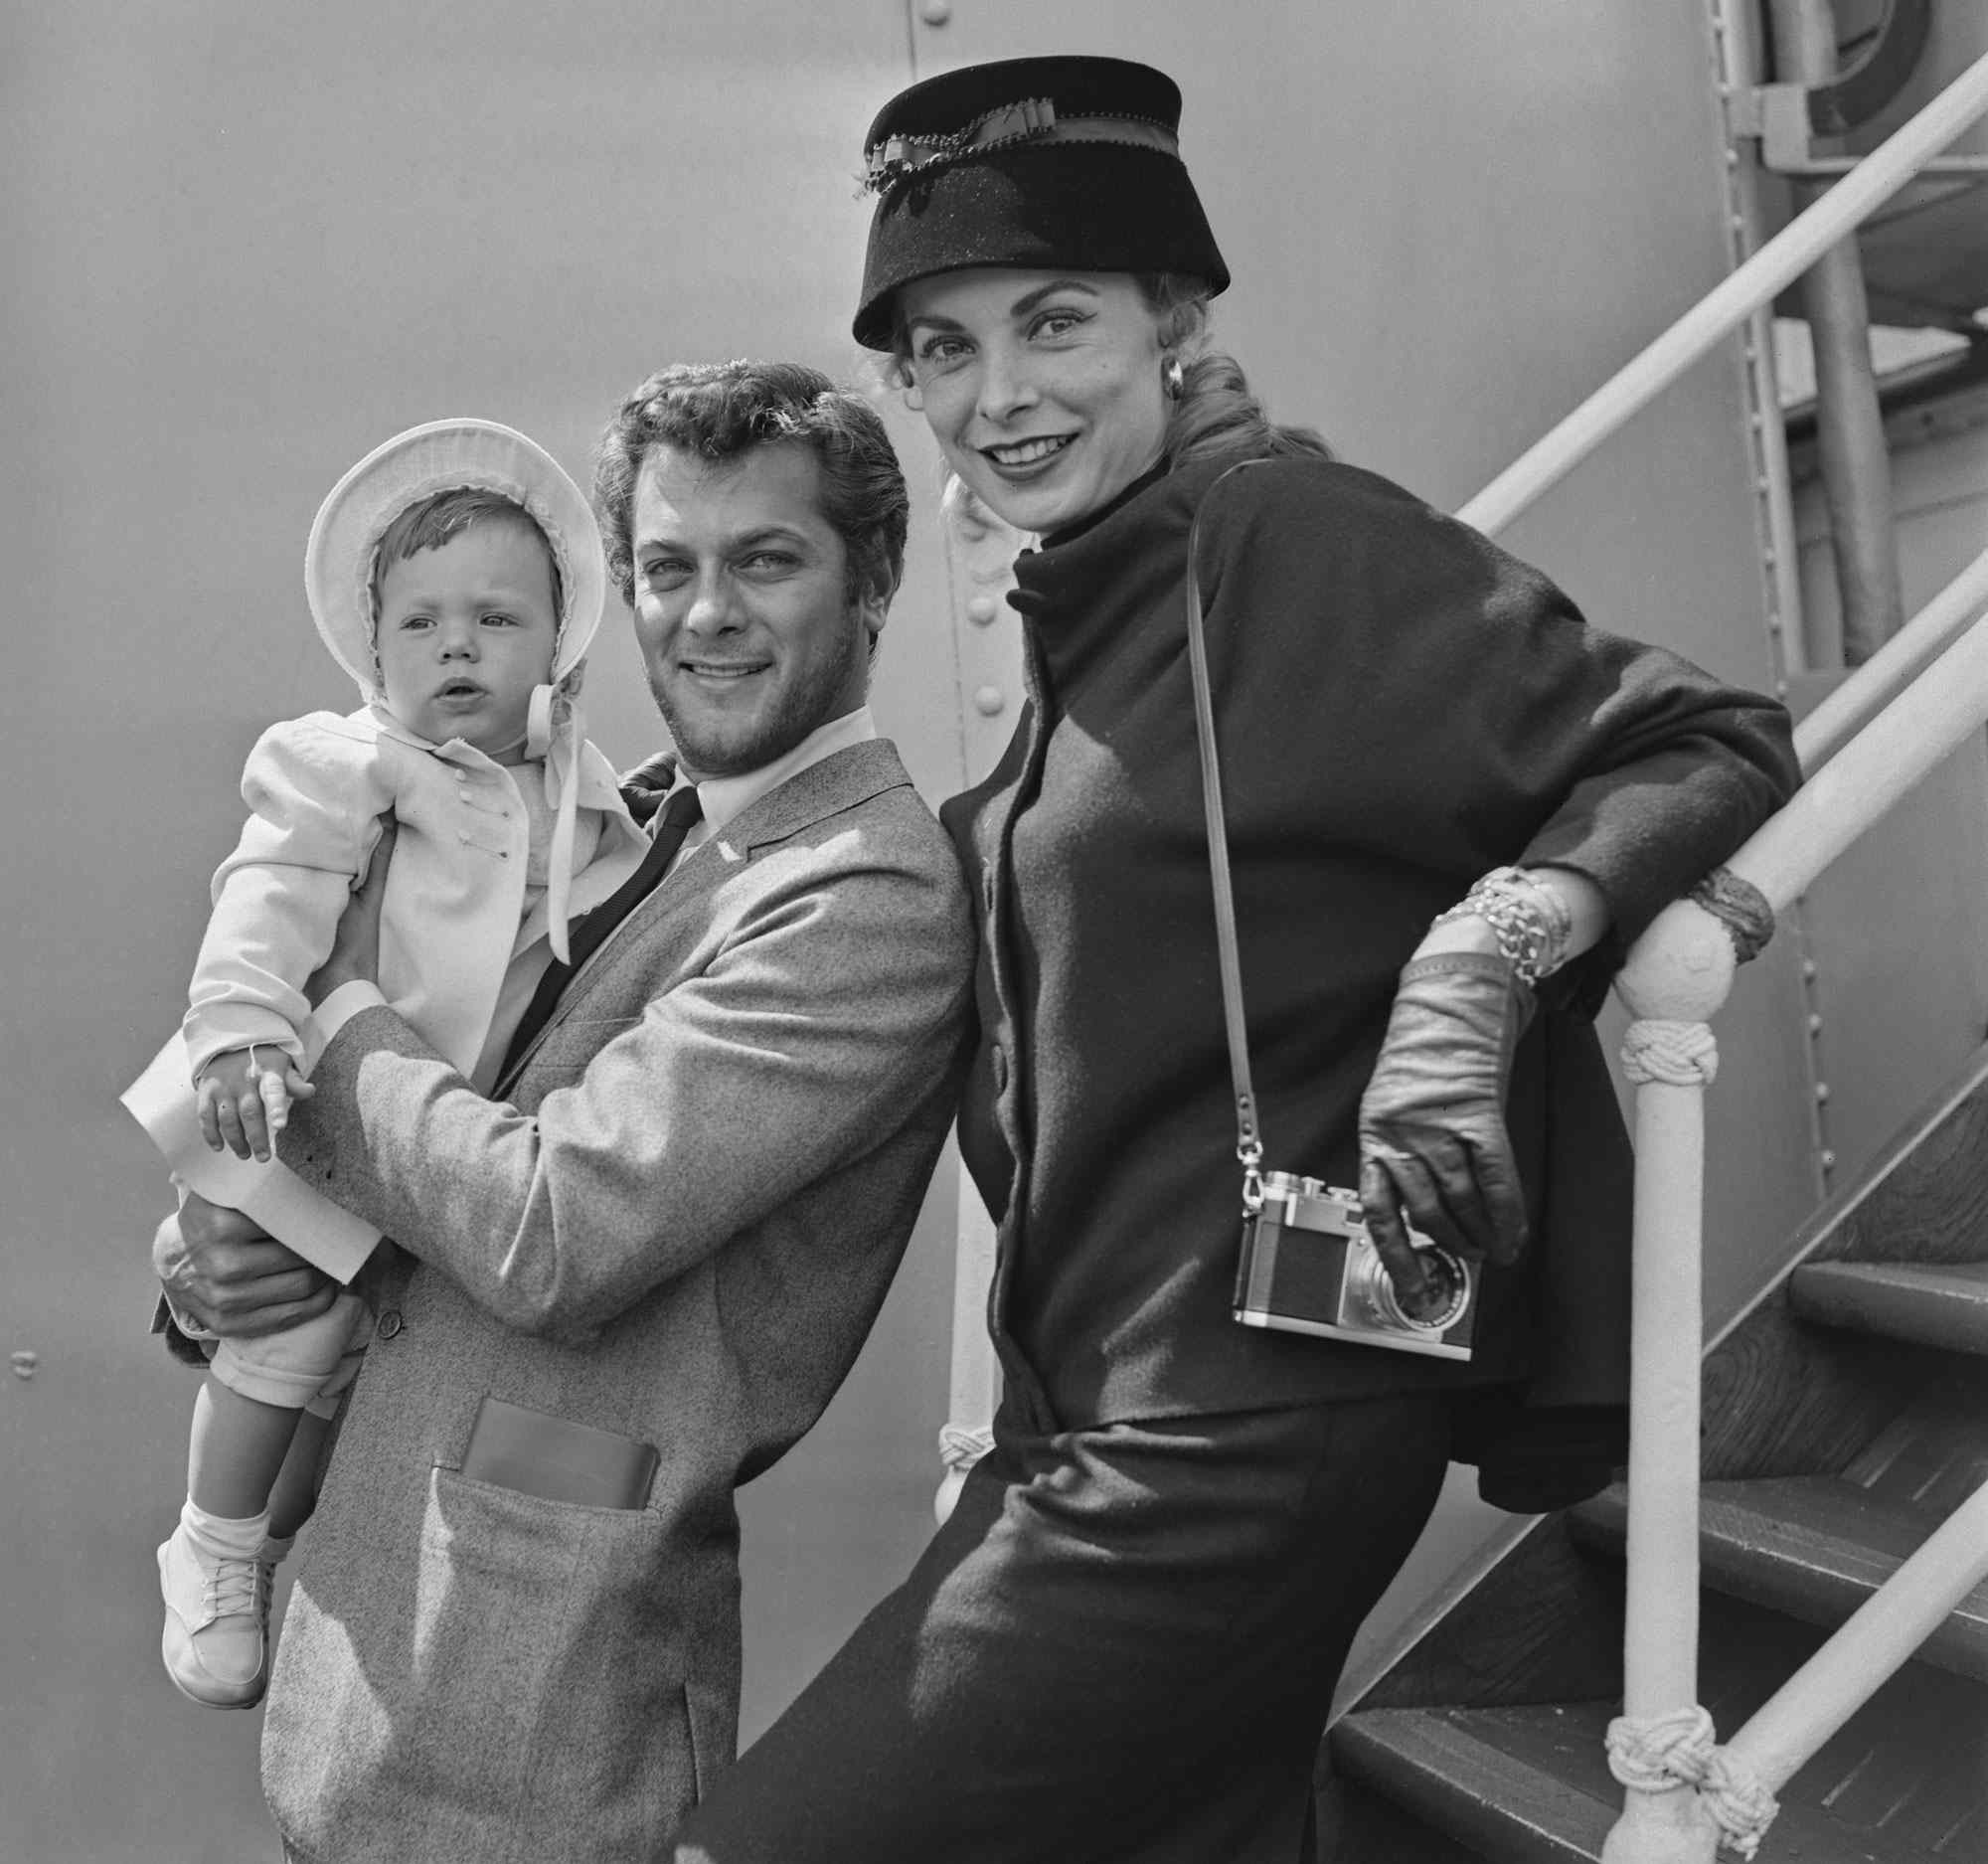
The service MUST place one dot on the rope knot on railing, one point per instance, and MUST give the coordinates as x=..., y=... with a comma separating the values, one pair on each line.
x=1664, y=1751
x=961, y=1446
x=1680, y=1055
x=1740, y=907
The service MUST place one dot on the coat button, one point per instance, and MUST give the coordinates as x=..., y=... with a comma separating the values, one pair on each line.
x=389, y=1323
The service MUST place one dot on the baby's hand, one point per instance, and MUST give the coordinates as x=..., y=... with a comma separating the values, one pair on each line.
x=245, y=1102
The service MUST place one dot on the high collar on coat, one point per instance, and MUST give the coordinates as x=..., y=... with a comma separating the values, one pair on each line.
x=1076, y=596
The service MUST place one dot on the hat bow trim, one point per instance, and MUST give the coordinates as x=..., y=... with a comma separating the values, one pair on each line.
x=1033, y=120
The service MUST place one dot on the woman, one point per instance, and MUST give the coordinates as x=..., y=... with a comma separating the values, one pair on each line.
x=1124, y=1641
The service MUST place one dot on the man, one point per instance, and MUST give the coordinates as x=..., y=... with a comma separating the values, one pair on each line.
x=640, y=1269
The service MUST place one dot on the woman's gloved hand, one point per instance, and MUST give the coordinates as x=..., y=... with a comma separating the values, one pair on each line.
x=645, y=787
x=1433, y=1151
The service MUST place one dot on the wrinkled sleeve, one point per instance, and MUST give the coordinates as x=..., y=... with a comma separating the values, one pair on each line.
x=314, y=791
x=1509, y=729
x=1684, y=769
x=829, y=1020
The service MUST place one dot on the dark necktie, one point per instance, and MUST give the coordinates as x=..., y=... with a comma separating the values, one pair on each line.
x=584, y=935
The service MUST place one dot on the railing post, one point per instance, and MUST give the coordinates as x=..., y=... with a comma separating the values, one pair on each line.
x=968, y=1433
x=1850, y=425
x=1677, y=976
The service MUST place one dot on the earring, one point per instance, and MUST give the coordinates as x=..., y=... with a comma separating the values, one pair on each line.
x=1174, y=378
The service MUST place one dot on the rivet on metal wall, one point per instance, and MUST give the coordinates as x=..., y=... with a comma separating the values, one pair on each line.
x=934, y=12
x=24, y=1364
x=990, y=700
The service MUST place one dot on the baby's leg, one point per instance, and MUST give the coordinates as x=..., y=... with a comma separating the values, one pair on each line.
x=294, y=1494
x=237, y=1450
x=214, y=1573
x=262, y=1396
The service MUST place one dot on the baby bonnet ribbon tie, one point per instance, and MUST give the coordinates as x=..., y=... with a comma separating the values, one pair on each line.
x=552, y=733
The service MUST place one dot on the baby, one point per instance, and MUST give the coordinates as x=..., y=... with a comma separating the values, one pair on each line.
x=456, y=574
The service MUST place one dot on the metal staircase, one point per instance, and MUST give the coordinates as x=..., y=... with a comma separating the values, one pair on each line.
x=1846, y=1416
x=1834, y=1438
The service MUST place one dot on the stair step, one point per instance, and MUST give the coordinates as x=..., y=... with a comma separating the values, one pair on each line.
x=1901, y=1782
x=1513, y=1784
x=1942, y=1304
x=1814, y=1547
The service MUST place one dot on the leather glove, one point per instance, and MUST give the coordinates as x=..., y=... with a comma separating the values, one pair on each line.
x=645, y=787
x=1433, y=1151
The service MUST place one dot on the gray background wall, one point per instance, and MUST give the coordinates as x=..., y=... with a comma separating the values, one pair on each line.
x=245, y=243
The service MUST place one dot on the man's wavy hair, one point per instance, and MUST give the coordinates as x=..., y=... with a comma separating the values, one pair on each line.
x=721, y=412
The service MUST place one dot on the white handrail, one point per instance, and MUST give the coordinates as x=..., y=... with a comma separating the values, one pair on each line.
x=1784, y=259
x=1941, y=708
x=1677, y=976
x=1869, y=1647
x=1906, y=654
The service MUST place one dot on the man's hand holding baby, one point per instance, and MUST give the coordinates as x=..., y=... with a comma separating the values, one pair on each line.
x=226, y=1276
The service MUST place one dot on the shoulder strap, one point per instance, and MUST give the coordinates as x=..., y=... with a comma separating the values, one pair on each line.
x=1249, y=1138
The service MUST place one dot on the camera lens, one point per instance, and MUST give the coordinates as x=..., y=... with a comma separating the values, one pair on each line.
x=1443, y=1292
x=1446, y=1293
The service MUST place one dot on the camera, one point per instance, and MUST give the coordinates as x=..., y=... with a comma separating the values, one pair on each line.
x=1309, y=1267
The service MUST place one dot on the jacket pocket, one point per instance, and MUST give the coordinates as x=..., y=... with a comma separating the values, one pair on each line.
x=549, y=1657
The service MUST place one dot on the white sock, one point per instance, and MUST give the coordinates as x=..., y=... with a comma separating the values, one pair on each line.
x=222, y=1539
x=275, y=1548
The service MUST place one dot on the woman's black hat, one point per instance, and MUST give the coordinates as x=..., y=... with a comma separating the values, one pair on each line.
x=1034, y=163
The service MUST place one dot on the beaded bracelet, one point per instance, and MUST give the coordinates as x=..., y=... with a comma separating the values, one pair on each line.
x=1531, y=922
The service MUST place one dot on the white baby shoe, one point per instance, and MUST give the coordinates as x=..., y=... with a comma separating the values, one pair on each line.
x=216, y=1643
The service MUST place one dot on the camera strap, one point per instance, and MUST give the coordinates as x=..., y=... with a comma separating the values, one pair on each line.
x=1248, y=1140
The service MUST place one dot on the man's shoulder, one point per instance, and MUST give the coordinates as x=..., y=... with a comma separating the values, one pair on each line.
x=854, y=826
x=864, y=783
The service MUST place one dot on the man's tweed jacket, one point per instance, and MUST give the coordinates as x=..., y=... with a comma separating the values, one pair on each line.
x=675, y=1222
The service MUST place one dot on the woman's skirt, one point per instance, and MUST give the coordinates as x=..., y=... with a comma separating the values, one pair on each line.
x=1121, y=1646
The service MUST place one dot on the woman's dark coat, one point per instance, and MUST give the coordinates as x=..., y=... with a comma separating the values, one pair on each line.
x=1400, y=706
